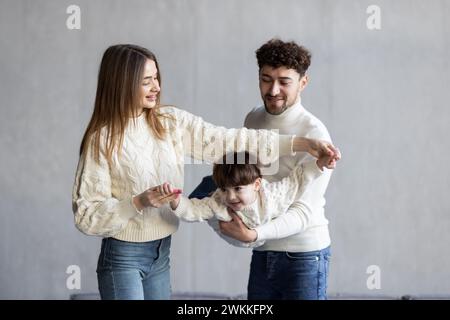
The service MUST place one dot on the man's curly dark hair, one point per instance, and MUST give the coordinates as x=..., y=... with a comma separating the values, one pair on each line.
x=277, y=53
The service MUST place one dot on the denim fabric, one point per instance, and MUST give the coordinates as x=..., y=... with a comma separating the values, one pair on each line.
x=134, y=270
x=289, y=275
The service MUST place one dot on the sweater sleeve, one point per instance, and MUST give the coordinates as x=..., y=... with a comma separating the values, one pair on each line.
x=282, y=194
x=206, y=142
x=97, y=212
x=214, y=224
x=193, y=210
x=300, y=214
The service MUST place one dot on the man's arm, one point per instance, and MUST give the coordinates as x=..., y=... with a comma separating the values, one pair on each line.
x=214, y=223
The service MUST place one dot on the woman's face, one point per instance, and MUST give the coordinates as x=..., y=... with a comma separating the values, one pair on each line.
x=150, y=86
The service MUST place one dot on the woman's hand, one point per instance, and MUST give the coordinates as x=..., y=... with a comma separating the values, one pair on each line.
x=158, y=196
x=324, y=151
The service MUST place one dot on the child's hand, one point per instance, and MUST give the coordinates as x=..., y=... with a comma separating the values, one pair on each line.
x=156, y=197
x=325, y=152
x=328, y=161
x=167, y=191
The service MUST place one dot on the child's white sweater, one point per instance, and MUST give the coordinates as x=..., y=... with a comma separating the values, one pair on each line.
x=273, y=199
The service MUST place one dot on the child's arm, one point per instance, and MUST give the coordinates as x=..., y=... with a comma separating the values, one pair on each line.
x=199, y=209
x=194, y=209
x=281, y=194
x=300, y=214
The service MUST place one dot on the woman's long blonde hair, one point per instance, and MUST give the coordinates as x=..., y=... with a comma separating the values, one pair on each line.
x=117, y=99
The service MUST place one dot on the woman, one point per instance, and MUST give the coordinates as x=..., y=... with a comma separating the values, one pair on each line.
x=131, y=146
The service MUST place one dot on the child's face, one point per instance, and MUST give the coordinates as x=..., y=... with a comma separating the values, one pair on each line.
x=238, y=197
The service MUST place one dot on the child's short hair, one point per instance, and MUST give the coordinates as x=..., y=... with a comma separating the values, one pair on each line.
x=236, y=169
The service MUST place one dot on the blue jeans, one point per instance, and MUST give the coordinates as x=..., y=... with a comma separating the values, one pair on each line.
x=289, y=275
x=134, y=270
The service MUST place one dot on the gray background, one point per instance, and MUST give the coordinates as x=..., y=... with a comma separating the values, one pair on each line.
x=382, y=94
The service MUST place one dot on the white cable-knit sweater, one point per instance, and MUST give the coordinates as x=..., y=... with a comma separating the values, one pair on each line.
x=297, y=230
x=102, y=193
x=273, y=199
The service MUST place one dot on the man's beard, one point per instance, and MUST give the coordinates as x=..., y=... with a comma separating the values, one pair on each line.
x=277, y=111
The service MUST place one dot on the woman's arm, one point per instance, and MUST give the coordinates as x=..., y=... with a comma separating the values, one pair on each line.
x=206, y=142
x=96, y=211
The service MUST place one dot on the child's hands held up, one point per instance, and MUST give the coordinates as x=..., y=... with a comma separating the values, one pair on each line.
x=325, y=152
x=329, y=161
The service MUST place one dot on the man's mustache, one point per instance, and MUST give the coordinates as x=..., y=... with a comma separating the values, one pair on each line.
x=274, y=97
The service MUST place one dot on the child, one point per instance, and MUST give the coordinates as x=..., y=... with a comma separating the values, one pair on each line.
x=242, y=189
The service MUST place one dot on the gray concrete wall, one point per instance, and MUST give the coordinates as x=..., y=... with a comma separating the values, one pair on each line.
x=383, y=94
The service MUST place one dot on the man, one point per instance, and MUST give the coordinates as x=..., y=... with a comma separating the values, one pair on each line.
x=293, y=263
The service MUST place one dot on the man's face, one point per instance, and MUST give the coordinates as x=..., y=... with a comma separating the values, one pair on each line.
x=280, y=88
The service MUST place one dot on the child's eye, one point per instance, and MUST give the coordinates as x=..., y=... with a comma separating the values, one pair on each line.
x=222, y=189
x=237, y=188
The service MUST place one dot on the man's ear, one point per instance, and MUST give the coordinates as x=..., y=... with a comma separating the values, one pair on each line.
x=304, y=82
x=257, y=184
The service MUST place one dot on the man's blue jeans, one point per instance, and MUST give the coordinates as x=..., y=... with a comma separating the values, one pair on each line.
x=134, y=270
x=289, y=275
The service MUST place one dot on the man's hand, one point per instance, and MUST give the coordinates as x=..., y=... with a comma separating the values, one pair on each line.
x=237, y=229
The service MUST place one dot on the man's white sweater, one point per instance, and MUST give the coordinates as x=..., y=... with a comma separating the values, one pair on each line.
x=103, y=192
x=298, y=230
